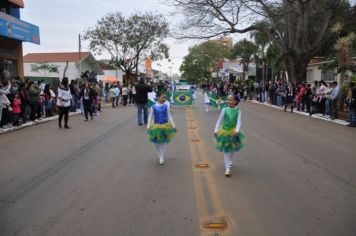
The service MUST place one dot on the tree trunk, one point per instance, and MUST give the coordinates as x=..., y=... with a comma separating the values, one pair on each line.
x=297, y=70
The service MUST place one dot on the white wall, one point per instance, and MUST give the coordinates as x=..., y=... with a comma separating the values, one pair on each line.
x=71, y=73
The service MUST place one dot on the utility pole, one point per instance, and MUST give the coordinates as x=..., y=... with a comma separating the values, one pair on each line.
x=80, y=56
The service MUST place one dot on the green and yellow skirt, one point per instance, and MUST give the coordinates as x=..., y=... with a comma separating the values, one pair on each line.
x=161, y=133
x=226, y=141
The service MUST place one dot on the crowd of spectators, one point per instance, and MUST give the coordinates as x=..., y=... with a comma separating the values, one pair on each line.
x=317, y=98
x=22, y=101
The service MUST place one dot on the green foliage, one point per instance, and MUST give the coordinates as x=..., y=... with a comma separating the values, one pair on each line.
x=301, y=29
x=129, y=40
x=244, y=50
x=201, y=60
x=44, y=68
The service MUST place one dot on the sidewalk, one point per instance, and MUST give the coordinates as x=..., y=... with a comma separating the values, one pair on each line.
x=316, y=116
x=32, y=123
x=44, y=120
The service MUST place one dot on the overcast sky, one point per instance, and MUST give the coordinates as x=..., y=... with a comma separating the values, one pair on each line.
x=61, y=21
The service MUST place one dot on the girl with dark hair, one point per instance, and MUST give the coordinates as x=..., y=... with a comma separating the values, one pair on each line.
x=63, y=102
x=228, y=134
x=162, y=130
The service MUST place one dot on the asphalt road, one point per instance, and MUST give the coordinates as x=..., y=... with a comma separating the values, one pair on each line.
x=296, y=176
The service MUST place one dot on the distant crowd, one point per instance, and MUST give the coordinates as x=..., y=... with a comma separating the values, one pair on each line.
x=317, y=98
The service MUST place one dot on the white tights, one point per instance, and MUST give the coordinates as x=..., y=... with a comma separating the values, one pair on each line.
x=206, y=107
x=161, y=149
x=228, y=160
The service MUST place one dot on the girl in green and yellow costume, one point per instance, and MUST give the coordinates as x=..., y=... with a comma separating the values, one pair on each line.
x=228, y=135
x=160, y=126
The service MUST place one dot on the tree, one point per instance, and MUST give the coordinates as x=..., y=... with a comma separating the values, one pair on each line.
x=299, y=28
x=244, y=50
x=341, y=60
x=202, y=59
x=261, y=40
x=44, y=68
x=129, y=40
x=274, y=60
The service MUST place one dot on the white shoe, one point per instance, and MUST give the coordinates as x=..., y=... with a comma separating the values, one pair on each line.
x=161, y=161
x=227, y=173
x=230, y=165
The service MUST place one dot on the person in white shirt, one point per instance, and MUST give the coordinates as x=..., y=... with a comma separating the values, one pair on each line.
x=63, y=102
x=125, y=93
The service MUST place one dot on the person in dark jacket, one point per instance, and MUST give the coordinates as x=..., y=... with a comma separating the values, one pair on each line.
x=88, y=96
x=142, y=91
x=289, y=97
x=351, y=101
x=34, y=98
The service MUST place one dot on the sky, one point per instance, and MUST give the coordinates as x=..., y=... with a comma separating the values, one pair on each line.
x=61, y=21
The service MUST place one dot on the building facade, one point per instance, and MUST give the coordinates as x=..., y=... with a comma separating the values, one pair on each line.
x=69, y=64
x=314, y=73
x=14, y=31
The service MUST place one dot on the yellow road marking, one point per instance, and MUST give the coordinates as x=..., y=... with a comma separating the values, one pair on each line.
x=198, y=155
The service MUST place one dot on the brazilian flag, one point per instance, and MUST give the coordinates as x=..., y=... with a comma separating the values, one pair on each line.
x=216, y=101
x=183, y=98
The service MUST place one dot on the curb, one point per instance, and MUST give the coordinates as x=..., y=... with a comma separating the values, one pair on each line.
x=315, y=116
x=32, y=123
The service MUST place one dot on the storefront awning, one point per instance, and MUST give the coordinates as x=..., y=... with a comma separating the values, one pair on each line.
x=18, y=3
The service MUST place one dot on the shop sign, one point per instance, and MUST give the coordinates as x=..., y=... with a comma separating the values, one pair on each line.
x=14, y=28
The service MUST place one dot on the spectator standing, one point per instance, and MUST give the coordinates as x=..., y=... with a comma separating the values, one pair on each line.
x=25, y=102
x=107, y=91
x=74, y=94
x=16, y=109
x=63, y=102
x=351, y=101
x=34, y=97
x=289, y=97
x=307, y=98
x=300, y=95
x=327, y=97
x=112, y=92
x=4, y=103
x=133, y=90
x=125, y=93
x=142, y=91
x=48, y=101
x=334, y=100
x=87, y=95
x=117, y=94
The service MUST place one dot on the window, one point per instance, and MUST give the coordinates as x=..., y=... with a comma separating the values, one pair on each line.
x=310, y=75
x=328, y=75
